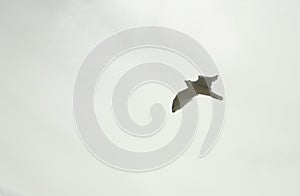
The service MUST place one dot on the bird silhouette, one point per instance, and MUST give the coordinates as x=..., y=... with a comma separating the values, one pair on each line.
x=201, y=86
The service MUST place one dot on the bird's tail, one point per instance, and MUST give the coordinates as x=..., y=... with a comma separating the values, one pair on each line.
x=214, y=95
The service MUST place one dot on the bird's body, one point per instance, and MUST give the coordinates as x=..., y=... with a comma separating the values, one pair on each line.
x=201, y=86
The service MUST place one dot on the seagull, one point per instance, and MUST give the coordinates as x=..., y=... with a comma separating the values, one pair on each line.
x=201, y=86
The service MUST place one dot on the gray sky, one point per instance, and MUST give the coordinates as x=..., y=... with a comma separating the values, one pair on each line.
x=255, y=45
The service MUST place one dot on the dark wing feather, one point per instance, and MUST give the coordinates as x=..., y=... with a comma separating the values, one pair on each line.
x=181, y=99
x=185, y=96
x=205, y=81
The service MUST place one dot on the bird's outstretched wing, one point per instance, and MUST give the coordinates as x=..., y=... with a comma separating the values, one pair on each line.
x=205, y=81
x=182, y=98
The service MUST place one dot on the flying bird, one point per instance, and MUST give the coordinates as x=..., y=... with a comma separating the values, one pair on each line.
x=201, y=86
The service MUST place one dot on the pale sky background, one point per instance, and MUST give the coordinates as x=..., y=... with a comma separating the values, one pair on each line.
x=255, y=45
